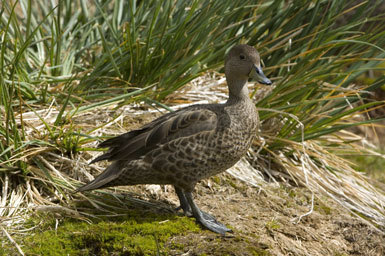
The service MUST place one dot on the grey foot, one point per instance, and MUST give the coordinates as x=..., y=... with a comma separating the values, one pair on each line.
x=209, y=222
x=205, y=219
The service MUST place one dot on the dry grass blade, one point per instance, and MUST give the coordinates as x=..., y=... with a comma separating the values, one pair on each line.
x=12, y=241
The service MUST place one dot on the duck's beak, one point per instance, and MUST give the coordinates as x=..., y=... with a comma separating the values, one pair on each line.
x=258, y=75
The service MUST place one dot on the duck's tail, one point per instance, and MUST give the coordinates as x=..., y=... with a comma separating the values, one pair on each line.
x=111, y=173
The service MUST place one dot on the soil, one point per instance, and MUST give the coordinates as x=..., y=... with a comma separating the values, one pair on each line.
x=265, y=222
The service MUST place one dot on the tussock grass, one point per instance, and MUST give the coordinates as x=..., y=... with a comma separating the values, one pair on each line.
x=69, y=73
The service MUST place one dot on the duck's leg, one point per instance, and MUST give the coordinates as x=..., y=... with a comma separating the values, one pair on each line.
x=184, y=205
x=204, y=218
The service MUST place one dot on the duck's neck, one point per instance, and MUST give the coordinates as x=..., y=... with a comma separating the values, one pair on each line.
x=237, y=90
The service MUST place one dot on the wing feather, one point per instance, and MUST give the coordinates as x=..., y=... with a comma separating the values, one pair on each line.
x=174, y=125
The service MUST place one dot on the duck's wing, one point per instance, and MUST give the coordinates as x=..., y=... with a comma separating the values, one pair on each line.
x=174, y=125
x=134, y=144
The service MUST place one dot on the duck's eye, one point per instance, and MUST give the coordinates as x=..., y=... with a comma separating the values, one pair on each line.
x=242, y=57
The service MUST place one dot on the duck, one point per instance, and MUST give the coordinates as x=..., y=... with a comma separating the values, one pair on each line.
x=186, y=146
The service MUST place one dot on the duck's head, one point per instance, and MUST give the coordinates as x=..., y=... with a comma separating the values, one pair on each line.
x=243, y=62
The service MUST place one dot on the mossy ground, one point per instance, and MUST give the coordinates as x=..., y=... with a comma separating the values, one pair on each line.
x=143, y=235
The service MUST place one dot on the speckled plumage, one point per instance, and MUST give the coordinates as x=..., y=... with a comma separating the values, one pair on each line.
x=184, y=160
x=193, y=143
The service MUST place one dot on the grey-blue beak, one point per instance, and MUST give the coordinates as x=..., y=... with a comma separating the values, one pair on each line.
x=258, y=75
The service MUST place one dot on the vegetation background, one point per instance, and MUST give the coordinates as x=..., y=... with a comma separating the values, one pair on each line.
x=69, y=69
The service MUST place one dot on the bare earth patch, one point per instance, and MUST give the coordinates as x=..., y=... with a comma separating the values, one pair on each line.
x=265, y=223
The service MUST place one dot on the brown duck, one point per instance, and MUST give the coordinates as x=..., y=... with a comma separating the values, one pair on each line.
x=191, y=144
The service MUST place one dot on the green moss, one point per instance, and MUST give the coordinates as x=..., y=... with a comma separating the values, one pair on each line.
x=258, y=252
x=292, y=193
x=273, y=224
x=322, y=208
x=216, y=179
x=143, y=236
x=177, y=246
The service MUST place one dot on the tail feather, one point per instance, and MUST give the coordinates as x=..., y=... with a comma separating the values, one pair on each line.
x=111, y=173
x=105, y=156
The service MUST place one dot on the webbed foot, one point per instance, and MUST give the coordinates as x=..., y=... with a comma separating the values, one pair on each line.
x=205, y=219
x=208, y=221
